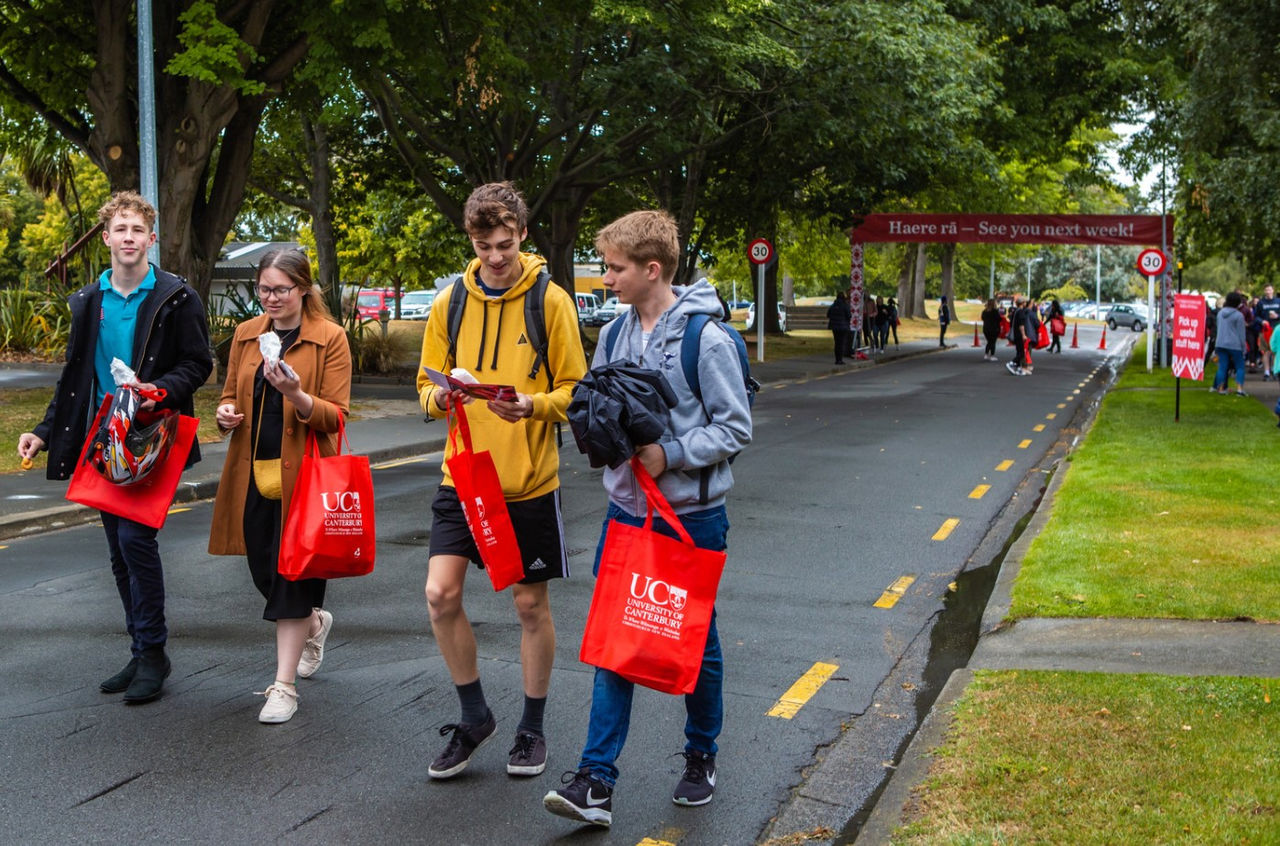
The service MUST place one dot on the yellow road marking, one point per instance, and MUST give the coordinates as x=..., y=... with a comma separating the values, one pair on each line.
x=1076, y=391
x=1050, y=416
x=178, y=510
x=1004, y=465
x=948, y=526
x=1024, y=444
x=1062, y=405
x=894, y=592
x=649, y=841
x=1039, y=427
x=5, y=546
x=790, y=703
x=387, y=465
x=979, y=492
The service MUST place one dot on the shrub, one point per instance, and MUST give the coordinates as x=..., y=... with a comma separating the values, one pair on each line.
x=33, y=324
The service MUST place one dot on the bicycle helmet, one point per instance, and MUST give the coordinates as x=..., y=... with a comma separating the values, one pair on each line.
x=124, y=449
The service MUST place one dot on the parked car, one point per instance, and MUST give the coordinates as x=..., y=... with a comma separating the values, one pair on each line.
x=751, y=317
x=588, y=306
x=1133, y=316
x=373, y=300
x=416, y=305
x=611, y=309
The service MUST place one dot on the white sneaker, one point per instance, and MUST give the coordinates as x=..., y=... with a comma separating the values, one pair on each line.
x=313, y=649
x=282, y=703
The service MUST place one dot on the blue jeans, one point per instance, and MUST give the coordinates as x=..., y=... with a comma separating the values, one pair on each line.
x=135, y=562
x=1227, y=360
x=611, y=694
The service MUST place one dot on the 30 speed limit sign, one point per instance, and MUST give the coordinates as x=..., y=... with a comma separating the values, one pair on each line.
x=1152, y=262
x=760, y=251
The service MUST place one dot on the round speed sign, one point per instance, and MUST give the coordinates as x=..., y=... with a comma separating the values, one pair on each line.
x=760, y=251
x=1152, y=262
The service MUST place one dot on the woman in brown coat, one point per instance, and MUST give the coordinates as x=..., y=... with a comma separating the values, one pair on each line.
x=269, y=408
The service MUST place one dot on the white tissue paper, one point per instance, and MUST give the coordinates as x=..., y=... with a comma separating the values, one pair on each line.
x=269, y=344
x=464, y=375
x=123, y=373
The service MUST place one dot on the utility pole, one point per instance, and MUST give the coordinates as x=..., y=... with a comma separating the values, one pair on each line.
x=147, y=119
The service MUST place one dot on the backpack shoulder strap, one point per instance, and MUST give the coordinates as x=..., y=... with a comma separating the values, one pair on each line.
x=457, y=304
x=535, y=325
x=609, y=336
x=690, y=346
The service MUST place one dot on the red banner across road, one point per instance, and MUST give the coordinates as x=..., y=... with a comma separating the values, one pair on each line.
x=1141, y=230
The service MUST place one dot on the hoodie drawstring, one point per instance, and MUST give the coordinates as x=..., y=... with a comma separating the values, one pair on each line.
x=502, y=305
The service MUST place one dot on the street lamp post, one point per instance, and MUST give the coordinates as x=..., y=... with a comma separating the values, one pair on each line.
x=1029, y=263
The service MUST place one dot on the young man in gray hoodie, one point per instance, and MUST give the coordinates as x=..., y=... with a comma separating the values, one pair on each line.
x=690, y=463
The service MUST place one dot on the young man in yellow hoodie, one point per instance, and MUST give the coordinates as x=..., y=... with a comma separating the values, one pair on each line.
x=494, y=345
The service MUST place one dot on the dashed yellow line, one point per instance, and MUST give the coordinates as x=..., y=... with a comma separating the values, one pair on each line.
x=4, y=546
x=1024, y=444
x=178, y=510
x=399, y=462
x=948, y=526
x=1062, y=405
x=790, y=703
x=1051, y=415
x=1004, y=465
x=1039, y=427
x=894, y=592
x=979, y=492
x=649, y=841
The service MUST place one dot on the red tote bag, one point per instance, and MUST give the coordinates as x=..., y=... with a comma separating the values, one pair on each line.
x=651, y=608
x=475, y=478
x=1042, y=337
x=146, y=501
x=330, y=531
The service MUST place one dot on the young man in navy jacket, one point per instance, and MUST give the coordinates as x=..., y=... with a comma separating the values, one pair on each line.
x=154, y=322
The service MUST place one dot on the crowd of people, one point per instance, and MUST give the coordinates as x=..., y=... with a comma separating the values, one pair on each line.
x=1242, y=338
x=274, y=401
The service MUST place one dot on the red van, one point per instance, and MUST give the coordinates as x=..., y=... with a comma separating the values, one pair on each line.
x=370, y=301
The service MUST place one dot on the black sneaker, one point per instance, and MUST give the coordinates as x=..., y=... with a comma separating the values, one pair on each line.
x=528, y=756
x=584, y=797
x=465, y=740
x=699, y=780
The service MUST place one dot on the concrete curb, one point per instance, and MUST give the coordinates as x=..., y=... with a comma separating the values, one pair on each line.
x=194, y=490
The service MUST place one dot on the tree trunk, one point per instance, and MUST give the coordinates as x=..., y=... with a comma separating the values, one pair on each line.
x=917, y=289
x=906, y=304
x=321, y=202
x=948, y=276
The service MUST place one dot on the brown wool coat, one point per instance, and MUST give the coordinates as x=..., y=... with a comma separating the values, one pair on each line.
x=322, y=361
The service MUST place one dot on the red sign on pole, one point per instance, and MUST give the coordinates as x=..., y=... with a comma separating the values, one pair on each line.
x=1188, y=336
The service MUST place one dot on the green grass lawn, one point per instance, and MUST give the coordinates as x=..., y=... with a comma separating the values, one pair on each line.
x=1161, y=519
x=1090, y=758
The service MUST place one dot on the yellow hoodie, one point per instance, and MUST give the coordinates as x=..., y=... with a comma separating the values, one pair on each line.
x=494, y=347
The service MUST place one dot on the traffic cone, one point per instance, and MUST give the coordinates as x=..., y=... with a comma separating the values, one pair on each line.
x=1075, y=336
x=975, y=335
x=1102, y=345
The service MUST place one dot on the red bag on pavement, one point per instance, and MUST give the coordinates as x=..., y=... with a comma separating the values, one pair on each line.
x=480, y=492
x=651, y=608
x=147, y=500
x=330, y=531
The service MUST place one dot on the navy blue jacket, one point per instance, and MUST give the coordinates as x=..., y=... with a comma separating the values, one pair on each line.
x=170, y=350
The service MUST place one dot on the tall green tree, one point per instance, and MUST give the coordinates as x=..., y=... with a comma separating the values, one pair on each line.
x=73, y=65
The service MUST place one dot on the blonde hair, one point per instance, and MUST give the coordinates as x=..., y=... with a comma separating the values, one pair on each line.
x=294, y=264
x=644, y=236
x=127, y=201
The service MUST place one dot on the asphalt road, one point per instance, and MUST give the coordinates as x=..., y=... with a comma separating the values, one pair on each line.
x=854, y=482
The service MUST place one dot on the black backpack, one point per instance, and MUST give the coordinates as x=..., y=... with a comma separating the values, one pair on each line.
x=535, y=322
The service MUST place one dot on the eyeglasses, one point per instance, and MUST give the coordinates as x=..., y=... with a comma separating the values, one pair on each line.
x=279, y=293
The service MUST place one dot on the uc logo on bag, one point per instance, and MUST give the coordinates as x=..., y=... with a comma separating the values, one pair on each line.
x=346, y=501
x=659, y=592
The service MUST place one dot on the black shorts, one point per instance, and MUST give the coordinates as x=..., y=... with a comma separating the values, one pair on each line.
x=539, y=531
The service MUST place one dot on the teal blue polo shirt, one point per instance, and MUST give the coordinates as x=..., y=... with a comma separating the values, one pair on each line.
x=116, y=324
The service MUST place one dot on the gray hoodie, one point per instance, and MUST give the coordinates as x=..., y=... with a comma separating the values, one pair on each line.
x=700, y=434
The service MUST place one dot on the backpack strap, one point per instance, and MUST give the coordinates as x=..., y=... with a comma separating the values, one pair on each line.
x=535, y=325
x=457, y=304
x=609, y=335
x=690, y=346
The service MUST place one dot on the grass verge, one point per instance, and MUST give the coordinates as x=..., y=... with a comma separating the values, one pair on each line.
x=1160, y=519
x=1055, y=757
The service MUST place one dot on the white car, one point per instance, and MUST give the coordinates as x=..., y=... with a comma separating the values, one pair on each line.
x=611, y=309
x=751, y=317
x=416, y=305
